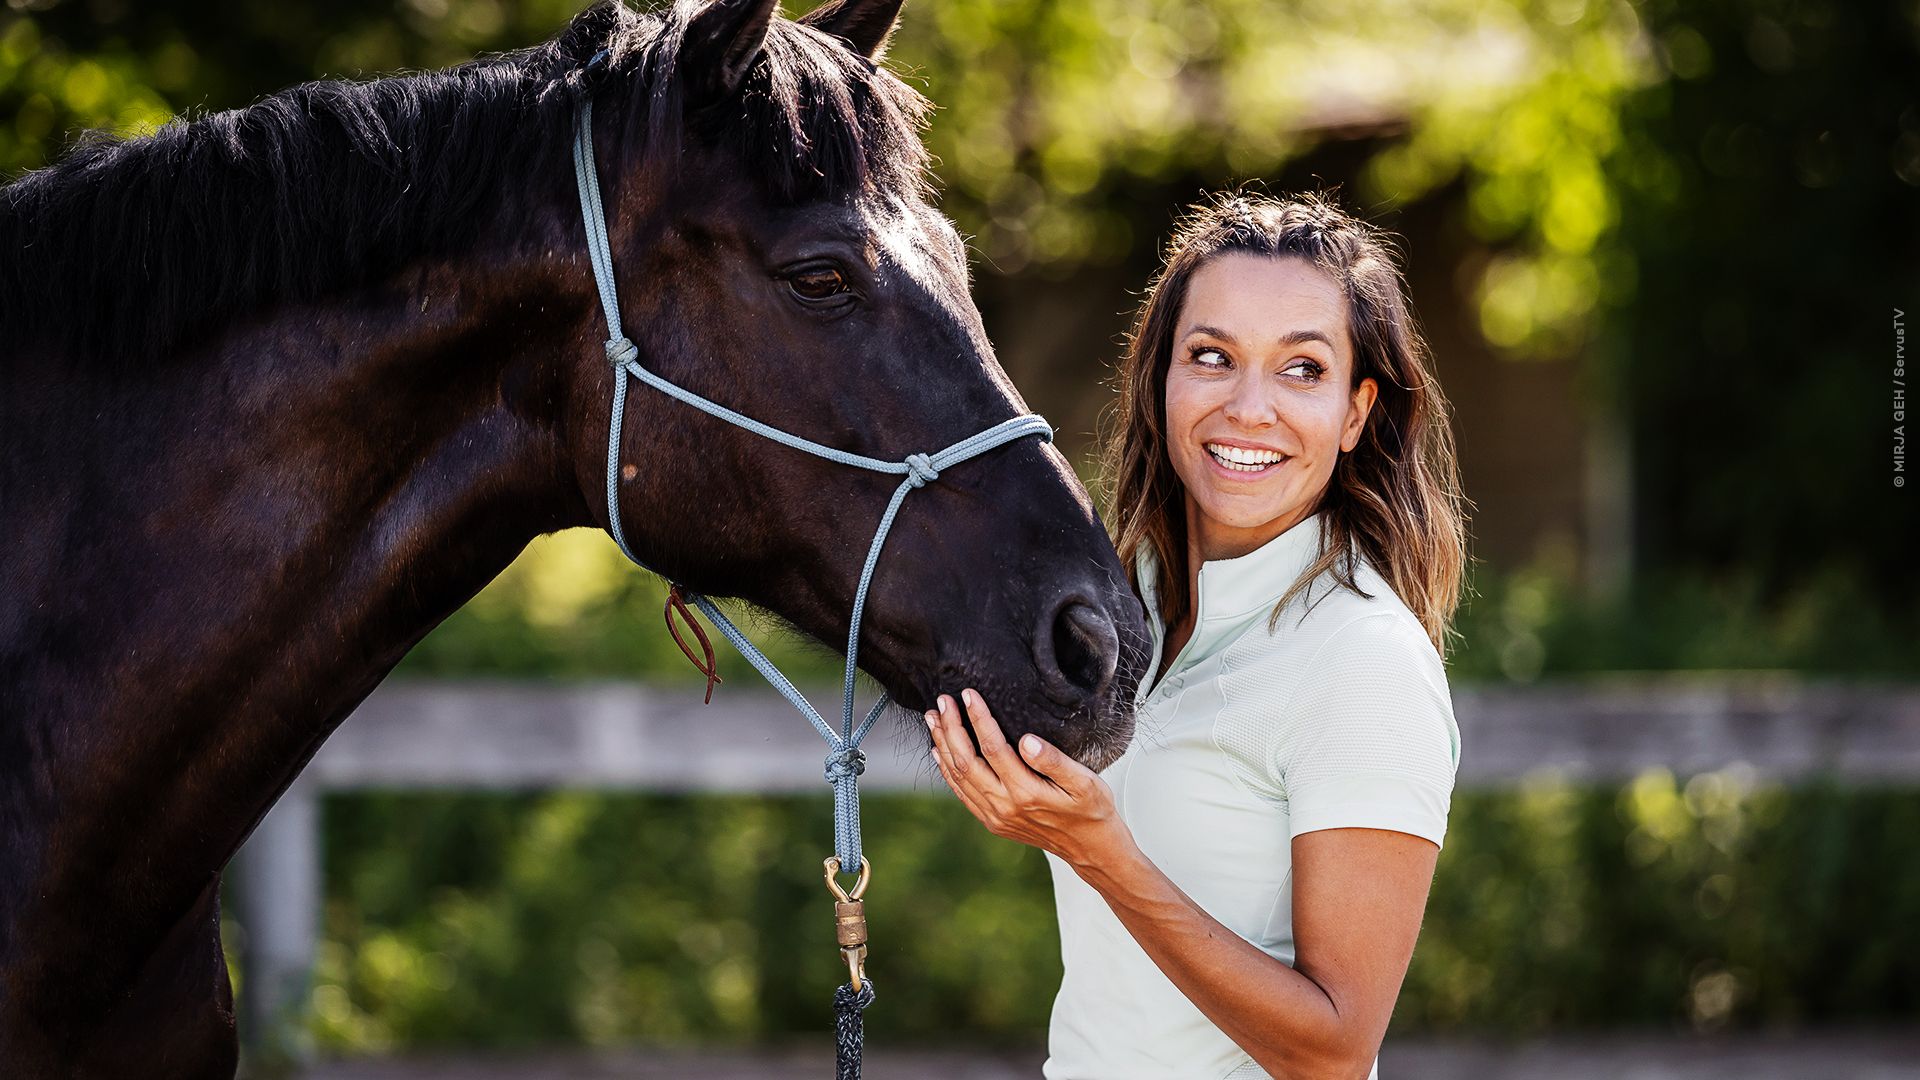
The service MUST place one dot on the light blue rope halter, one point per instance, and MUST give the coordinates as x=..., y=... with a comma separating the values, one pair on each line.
x=845, y=761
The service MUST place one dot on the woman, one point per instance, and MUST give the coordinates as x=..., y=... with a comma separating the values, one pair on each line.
x=1239, y=894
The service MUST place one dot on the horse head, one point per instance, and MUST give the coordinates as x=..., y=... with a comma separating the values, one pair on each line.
x=778, y=253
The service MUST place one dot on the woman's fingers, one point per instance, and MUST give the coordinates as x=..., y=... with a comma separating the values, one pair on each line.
x=962, y=760
x=943, y=753
x=1058, y=815
x=993, y=743
x=961, y=788
x=1051, y=762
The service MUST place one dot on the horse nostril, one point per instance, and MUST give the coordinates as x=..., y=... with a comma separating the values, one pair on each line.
x=1085, y=647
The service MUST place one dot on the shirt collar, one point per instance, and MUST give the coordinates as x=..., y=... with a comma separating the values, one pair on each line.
x=1233, y=588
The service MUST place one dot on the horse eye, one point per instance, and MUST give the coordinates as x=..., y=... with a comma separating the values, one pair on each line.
x=824, y=283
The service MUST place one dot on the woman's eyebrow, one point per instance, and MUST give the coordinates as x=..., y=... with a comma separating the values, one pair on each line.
x=1291, y=337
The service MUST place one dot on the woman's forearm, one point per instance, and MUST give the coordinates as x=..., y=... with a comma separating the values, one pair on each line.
x=1283, y=1019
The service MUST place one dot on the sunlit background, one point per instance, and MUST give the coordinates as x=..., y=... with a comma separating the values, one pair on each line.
x=1659, y=249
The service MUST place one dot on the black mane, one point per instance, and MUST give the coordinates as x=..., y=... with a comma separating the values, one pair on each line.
x=126, y=249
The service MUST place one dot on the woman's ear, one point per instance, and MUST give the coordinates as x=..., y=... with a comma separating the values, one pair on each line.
x=1359, y=406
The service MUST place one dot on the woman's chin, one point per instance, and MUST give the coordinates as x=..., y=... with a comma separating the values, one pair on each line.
x=1243, y=509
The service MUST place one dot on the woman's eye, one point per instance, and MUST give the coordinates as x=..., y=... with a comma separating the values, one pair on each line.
x=1305, y=369
x=1209, y=358
x=823, y=283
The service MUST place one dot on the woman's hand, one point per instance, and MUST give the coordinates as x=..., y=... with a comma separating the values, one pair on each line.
x=1038, y=796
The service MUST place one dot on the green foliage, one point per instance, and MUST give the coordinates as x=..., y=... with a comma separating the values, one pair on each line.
x=1051, y=111
x=1770, y=215
x=1712, y=204
x=1539, y=622
x=573, y=606
x=1707, y=903
x=46, y=92
x=502, y=920
x=510, y=920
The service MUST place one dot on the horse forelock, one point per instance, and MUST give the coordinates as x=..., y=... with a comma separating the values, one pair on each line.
x=126, y=249
x=811, y=121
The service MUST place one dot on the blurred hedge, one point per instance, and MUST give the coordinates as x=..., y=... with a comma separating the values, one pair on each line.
x=513, y=920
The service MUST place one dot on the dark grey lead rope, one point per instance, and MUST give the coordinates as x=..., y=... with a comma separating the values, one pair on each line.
x=848, y=1031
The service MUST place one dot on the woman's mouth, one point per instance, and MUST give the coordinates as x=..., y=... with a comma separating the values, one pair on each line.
x=1244, y=461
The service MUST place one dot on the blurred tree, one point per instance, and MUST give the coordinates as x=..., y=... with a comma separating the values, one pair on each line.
x=47, y=91
x=1670, y=192
x=1770, y=226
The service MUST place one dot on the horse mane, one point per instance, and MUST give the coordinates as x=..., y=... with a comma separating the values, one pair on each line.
x=128, y=248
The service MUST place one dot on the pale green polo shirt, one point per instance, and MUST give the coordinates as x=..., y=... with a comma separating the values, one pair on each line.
x=1341, y=717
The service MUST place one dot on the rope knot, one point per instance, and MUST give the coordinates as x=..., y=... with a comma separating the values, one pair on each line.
x=845, y=764
x=621, y=351
x=920, y=470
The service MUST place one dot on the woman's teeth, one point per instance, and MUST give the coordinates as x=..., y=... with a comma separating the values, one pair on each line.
x=1241, y=459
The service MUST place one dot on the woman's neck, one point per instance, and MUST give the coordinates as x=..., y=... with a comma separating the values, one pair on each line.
x=1209, y=539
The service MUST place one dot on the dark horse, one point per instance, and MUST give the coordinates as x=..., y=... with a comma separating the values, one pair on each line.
x=282, y=387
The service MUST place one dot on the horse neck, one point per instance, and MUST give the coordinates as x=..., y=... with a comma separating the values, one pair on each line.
x=240, y=542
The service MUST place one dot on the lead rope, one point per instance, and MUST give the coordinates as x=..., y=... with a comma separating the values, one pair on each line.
x=848, y=1004
x=845, y=760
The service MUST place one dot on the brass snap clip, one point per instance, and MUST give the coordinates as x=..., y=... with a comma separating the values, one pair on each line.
x=850, y=918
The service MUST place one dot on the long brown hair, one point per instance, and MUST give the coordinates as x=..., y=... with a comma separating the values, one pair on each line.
x=1394, y=498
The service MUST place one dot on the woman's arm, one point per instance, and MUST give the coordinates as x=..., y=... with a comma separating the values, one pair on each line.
x=1357, y=903
x=1358, y=897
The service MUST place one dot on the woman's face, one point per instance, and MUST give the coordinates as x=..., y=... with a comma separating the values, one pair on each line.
x=1260, y=401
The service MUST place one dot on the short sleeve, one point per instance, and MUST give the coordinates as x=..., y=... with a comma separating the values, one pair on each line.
x=1369, y=739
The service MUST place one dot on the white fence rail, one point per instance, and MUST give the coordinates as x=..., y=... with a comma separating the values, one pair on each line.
x=519, y=735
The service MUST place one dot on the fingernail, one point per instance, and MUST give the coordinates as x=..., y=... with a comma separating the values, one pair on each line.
x=1030, y=744
x=972, y=698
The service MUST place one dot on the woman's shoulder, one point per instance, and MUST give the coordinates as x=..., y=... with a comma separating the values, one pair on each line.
x=1356, y=649
x=1361, y=620
x=1353, y=698
x=1340, y=665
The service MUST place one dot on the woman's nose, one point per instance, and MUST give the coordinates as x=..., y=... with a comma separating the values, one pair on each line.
x=1250, y=401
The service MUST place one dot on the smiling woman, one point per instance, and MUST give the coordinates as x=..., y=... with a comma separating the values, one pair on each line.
x=1239, y=893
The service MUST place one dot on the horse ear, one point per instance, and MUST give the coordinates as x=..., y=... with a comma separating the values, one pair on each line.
x=865, y=24
x=723, y=39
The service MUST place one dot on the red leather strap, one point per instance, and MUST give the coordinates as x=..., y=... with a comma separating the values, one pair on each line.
x=676, y=602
